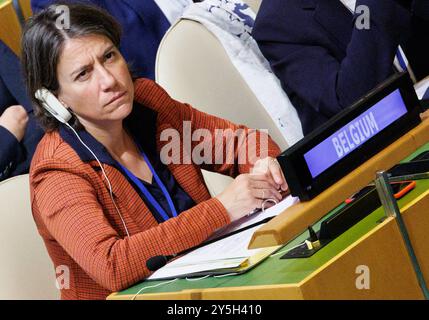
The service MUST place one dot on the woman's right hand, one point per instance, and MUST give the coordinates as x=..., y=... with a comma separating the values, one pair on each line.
x=15, y=120
x=247, y=192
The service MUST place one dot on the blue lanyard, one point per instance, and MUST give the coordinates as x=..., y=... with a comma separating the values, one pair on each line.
x=146, y=192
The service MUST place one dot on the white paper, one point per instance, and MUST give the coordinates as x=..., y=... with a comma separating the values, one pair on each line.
x=421, y=87
x=229, y=252
x=177, y=271
x=256, y=217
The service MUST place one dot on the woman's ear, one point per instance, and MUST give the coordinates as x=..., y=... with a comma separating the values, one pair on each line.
x=60, y=99
x=65, y=104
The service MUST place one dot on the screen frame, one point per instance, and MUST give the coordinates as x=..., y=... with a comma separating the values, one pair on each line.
x=294, y=165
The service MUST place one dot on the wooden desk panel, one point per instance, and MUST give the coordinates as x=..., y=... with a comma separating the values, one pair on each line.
x=382, y=250
x=416, y=219
x=10, y=28
x=25, y=8
x=328, y=274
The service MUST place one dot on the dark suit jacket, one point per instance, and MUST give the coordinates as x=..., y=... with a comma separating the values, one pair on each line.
x=323, y=62
x=15, y=157
x=143, y=26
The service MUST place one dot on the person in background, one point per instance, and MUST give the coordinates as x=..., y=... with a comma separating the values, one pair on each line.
x=104, y=197
x=325, y=56
x=144, y=23
x=19, y=132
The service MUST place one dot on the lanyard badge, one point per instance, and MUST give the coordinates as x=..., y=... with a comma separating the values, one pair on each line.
x=148, y=195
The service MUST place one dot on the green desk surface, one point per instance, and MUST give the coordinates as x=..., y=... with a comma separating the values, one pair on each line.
x=286, y=271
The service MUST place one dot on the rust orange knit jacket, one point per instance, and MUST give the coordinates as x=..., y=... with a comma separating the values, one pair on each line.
x=77, y=220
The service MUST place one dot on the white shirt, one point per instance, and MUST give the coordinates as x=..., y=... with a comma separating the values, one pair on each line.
x=350, y=4
x=232, y=25
x=172, y=9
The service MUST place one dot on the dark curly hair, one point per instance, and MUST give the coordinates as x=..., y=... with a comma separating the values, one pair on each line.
x=43, y=40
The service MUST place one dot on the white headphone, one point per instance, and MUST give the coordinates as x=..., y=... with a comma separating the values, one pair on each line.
x=51, y=104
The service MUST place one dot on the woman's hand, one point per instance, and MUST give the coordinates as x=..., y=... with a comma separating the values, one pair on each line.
x=271, y=168
x=424, y=115
x=15, y=120
x=249, y=191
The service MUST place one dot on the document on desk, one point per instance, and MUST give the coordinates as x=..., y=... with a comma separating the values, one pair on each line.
x=256, y=218
x=422, y=88
x=224, y=256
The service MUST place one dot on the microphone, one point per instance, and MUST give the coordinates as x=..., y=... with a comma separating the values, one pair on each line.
x=158, y=262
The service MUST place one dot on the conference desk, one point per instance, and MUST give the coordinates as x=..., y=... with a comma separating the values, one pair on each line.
x=372, y=248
